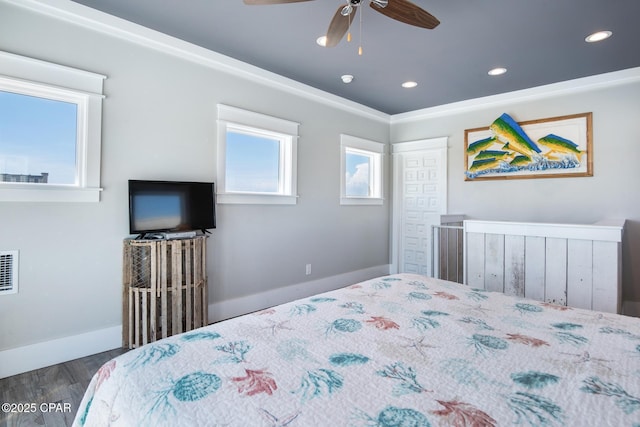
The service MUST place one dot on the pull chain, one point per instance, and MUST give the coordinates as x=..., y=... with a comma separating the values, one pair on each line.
x=349, y=30
x=360, y=47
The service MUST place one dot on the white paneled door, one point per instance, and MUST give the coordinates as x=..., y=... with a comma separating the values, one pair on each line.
x=420, y=198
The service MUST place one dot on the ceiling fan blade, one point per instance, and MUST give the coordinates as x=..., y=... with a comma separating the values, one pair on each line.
x=258, y=2
x=339, y=26
x=407, y=12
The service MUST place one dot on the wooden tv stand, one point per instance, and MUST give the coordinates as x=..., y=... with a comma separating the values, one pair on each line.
x=164, y=288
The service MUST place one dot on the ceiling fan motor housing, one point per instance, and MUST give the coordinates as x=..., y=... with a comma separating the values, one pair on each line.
x=356, y=3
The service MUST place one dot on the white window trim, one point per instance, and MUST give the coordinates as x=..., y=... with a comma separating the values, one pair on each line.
x=369, y=148
x=230, y=118
x=39, y=78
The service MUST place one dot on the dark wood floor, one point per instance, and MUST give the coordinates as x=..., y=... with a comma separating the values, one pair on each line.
x=64, y=383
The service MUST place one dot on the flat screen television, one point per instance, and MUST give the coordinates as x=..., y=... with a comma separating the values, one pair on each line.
x=171, y=206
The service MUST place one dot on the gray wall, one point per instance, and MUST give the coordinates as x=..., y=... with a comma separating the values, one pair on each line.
x=611, y=193
x=159, y=122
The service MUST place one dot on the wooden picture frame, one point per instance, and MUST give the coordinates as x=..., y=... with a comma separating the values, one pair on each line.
x=546, y=148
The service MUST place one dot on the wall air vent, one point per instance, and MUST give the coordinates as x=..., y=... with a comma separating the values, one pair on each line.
x=8, y=272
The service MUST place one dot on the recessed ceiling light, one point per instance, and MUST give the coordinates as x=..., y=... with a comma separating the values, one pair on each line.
x=596, y=37
x=409, y=84
x=347, y=78
x=497, y=71
x=322, y=41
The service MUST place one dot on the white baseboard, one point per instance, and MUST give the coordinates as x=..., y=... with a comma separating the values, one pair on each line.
x=35, y=356
x=250, y=303
x=23, y=359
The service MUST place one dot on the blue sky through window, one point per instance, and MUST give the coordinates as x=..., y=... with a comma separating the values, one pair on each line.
x=38, y=135
x=252, y=163
x=357, y=175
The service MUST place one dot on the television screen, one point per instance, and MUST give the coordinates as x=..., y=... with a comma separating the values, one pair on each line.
x=170, y=206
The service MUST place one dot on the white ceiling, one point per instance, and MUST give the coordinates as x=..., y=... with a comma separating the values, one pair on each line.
x=538, y=41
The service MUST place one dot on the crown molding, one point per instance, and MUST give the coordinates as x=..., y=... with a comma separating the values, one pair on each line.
x=112, y=26
x=599, y=81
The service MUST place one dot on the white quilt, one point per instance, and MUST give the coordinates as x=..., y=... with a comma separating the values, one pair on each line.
x=402, y=350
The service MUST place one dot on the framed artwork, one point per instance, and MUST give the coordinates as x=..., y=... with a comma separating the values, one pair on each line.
x=546, y=148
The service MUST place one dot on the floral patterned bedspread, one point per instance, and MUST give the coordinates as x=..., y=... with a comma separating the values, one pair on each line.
x=401, y=350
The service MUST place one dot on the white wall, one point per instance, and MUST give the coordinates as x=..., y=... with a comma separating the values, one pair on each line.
x=159, y=122
x=612, y=192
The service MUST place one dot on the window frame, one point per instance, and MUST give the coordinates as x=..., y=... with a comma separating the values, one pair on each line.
x=286, y=132
x=32, y=77
x=375, y=151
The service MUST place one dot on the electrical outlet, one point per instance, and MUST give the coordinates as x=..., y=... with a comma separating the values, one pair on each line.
x=308, y=269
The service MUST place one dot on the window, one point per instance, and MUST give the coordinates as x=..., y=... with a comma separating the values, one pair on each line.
x=50, y=127
x=38, y=137
x=361, y=171
x=256, y=158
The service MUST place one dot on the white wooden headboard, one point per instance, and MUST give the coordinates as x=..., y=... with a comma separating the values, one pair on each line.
x=566, y=264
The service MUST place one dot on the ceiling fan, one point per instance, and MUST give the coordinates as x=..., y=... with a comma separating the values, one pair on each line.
x=400, y=10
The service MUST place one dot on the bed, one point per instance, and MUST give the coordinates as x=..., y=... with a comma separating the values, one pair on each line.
x=400, y=350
